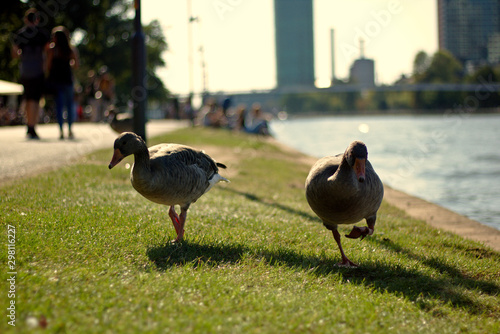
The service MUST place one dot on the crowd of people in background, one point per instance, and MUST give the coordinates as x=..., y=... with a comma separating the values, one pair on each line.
x=47, y=62
x=222, y=114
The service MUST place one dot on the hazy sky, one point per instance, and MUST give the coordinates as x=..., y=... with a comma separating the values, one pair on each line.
x=238, y=39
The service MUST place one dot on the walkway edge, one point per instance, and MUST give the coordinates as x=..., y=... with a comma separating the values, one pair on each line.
x=442, y=218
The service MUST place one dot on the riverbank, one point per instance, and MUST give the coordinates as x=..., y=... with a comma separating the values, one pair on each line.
x=433, y=214
x=92, y=253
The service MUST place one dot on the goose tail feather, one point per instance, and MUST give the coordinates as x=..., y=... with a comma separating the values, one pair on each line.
x=217, y=178
x=214, y=180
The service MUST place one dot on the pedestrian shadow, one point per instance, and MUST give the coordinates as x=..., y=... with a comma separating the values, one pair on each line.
x=452, y=287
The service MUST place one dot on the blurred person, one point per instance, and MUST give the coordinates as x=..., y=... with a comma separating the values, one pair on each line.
x=29, y=45
x=176, y=108
x=256, y=121
x=62, y=58
x=89, y=92
x=212, y=115
x=189, y=110
x=226, y=104
x=105, y=93
x=239, y=122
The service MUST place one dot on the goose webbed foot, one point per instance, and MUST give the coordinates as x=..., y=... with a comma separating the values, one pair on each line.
x=362, y=232
x=347, y=263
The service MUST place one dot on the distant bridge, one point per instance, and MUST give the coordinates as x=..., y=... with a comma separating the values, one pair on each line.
x=272, y=97
x=347, y=88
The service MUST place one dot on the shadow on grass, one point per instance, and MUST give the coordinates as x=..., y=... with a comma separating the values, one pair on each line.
x=273, y=204
x=451, y=287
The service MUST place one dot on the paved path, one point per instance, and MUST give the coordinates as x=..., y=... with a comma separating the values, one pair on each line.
x=20, y=157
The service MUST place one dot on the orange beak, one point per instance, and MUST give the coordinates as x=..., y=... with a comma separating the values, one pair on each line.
x=117, y=157
x=359, y=169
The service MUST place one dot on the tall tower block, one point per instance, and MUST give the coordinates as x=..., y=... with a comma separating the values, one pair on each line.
x=293, y=21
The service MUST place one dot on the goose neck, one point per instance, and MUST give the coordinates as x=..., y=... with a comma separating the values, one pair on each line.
x=141, y=157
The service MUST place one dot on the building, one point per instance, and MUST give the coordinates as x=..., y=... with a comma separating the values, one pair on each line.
x=469, y=30
x=362, y=71
x=293, y=21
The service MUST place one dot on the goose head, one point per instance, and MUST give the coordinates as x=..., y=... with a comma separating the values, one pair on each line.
x=126, y=144
x=356, y=156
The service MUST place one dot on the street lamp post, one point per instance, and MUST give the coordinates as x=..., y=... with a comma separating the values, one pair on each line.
x=139, y=93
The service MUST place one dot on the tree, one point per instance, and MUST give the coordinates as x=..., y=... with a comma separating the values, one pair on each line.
x=11, y=17
x=103, y=32
x=442, y=68
x=421, y=63
x=485, y=75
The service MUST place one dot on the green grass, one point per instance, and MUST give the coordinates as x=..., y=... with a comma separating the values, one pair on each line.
x=93, y=254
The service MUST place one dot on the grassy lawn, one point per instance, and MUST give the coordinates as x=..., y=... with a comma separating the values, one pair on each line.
x=92, y=254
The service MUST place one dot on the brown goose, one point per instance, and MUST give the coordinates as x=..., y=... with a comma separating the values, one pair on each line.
x=169, y=174
x=345, y=189
x=120, y=123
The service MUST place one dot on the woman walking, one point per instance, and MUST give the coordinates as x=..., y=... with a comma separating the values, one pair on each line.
x=62, y=57
x=29, y=44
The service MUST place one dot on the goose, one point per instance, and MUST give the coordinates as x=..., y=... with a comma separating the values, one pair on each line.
x=120, y=122
x=168, y=174
x=345, y=189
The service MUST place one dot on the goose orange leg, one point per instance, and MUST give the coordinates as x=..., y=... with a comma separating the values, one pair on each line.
x=175, y=220
x=182, y=221
x=345, y=261
x=178, y=221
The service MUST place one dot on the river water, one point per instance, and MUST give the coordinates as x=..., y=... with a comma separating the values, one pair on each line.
x=450, y=159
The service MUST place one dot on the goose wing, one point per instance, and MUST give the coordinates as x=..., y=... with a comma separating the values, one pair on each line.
x=178, y=174
x=169, y=155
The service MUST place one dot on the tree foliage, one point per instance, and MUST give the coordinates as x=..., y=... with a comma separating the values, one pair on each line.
x=487, y=74
x=443, y=68
x=421, y=63
x=102, y=31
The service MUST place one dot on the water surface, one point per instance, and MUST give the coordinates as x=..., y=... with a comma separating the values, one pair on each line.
x=450, y=159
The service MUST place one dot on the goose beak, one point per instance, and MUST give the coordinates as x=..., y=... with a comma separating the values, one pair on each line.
x=117, y=157
x=359, y=169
